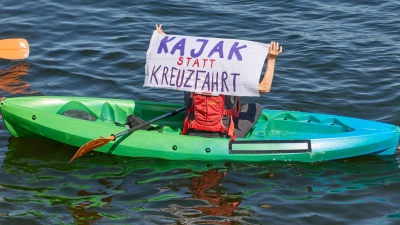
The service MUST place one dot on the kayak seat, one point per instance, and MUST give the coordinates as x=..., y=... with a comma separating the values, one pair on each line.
x=170, y=130
x=77, y=110
x=79, y=114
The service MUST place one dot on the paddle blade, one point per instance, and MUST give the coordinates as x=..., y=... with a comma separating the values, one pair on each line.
x=91, y=145
x=14, y=48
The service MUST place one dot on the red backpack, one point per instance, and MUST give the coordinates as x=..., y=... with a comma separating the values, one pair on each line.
x=208, y=111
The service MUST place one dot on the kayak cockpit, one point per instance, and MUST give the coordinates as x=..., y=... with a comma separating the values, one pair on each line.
x=117, y=112
x=269, y=126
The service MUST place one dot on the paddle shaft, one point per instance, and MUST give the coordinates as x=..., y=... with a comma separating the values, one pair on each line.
x=172, y=113
x=91, y=145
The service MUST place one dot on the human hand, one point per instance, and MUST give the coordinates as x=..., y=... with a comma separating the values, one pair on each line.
x=274, y=50
x=159, y=29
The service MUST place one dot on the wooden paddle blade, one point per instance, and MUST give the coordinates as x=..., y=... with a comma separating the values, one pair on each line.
x=14, y=48
x=91, y=145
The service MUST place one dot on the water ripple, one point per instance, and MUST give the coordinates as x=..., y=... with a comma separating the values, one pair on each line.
x=339, y=58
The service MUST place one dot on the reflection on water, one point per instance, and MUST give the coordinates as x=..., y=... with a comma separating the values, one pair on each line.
x=101, y=188
x=11, y=79
x=207, y=187
x=210, y=202
x=82, y=212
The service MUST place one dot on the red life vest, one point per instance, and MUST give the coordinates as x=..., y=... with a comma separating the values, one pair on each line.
x=208, y=112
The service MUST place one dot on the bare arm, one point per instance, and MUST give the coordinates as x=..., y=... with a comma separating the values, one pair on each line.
x=265, y=84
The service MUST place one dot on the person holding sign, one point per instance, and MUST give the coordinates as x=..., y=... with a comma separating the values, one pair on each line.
x=212, y=74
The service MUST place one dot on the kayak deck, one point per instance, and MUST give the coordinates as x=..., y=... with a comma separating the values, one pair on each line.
x=277, y=135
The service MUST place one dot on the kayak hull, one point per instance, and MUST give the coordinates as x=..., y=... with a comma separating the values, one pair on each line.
x=277, y=136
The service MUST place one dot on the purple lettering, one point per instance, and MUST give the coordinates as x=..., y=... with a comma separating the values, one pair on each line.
x=187, y=79
x=172, y=76
x=164, y=75
x=234, y=80
x=218, y=48
x=153, y=74
x=163, y=44
x=180, y=45
x=223, y=81
x=177, y=78
x=235, y=49
x=206, y=81
x=195, y=55
x=214, y=82
x=198, y=78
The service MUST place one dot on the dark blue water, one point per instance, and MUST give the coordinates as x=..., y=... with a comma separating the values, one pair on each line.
x=339, y=57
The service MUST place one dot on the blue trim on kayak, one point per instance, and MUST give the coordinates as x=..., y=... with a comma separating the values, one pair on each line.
x=379, y=151
x=276, y=146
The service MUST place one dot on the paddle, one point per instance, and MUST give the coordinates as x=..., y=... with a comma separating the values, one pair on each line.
x=102, y=141
x=14, y=48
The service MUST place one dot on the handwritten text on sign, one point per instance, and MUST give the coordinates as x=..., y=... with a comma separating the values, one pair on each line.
x=223, y=66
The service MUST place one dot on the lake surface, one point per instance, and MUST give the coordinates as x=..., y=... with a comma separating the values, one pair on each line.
x=338, y=58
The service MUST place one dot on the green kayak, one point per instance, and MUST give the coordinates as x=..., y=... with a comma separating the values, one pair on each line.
x=277, y=136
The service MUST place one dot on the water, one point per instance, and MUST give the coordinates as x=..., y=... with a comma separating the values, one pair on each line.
x=339, y=58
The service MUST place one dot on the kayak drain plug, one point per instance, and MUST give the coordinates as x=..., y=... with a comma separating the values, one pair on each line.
x=33, y=117
x=174, y=147
x=208, y=150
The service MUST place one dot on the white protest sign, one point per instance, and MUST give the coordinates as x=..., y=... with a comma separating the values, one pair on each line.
x=197, y=64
